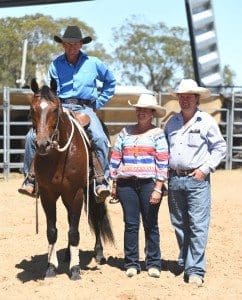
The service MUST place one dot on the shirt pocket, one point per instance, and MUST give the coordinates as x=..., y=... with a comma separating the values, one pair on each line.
x=172, y=138
x=194, y=139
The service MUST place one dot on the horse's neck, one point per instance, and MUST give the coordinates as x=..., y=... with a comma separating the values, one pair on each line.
x=64, y=126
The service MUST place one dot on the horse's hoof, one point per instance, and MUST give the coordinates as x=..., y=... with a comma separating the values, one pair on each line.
x=75, y=273
x=100, y=259
x=51, y=271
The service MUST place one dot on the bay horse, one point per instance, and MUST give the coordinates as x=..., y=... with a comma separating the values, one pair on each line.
x=61, y=168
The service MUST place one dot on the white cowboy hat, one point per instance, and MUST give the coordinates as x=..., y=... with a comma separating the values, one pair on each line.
x=150, y=101
x=189, y=86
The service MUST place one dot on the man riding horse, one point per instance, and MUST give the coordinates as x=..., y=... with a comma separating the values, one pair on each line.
x=76, y=75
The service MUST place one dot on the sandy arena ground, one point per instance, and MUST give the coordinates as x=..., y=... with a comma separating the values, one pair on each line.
x=23, y=253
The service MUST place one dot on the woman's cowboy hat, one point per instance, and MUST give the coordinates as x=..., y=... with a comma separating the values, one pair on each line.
x=149, y=101
x=72, y=35
x=189, y=86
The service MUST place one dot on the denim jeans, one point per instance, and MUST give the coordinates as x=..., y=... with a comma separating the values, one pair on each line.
x=30, y=149
x=189, y=205
x=134, y=195
x=96, y=134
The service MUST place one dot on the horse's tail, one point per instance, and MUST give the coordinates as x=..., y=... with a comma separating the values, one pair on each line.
x=99, y=220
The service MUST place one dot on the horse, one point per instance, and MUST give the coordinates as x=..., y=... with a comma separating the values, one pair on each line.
x=61, y=166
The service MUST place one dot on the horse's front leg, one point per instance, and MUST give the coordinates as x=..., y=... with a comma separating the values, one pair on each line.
x=74, y=238
x=49, y=207
x=74, y=212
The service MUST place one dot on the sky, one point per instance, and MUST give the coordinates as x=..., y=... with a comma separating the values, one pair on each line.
x=103, y=15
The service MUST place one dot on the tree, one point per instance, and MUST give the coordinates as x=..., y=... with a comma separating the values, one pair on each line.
x=39, y=31
x=228, y=75
x=151, y=55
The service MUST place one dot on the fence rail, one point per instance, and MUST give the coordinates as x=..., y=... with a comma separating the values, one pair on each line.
x=12, y=131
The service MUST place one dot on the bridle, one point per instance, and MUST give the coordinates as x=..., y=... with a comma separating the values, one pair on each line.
x=54, y=139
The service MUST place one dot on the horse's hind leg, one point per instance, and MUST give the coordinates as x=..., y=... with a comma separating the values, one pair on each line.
x=98, y=248
x=50, y=212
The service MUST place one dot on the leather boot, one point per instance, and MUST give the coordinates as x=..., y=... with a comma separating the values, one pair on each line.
x=28, y=187
x=101, y=187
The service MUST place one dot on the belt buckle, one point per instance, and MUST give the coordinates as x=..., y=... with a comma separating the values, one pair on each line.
x=182, y=172
x=71, y=101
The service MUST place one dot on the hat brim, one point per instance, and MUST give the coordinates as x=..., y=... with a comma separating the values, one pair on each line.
x=85, y=40
x=202, y=92
x=160, y=112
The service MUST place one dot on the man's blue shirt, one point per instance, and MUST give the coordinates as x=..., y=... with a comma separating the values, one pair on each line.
x=81, y=80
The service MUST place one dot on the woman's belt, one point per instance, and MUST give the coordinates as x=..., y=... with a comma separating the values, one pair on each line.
x=134, y=178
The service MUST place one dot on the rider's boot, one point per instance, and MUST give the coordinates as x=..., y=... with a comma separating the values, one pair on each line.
x=28, y=186
x=101, y=187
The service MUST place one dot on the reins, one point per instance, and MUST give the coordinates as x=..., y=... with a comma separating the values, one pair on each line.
x=64, y=148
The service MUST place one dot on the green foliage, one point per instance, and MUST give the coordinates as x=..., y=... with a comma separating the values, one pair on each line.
x=39, y=30
x=151, y=55
x=228, y=75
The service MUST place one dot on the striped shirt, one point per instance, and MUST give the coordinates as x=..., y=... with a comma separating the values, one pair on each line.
x=142, y=155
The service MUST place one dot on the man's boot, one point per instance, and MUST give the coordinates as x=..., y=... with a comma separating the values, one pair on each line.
x=101, y=188
x=29, y=185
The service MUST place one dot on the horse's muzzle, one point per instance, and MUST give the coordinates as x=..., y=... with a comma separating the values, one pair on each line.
x=43, y=147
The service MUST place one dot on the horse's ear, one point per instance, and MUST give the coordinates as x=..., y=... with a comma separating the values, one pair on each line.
x=34, y=85
x=53, y=85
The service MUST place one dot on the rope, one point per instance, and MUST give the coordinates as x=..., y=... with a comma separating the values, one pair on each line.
x=86, y=141
x=70, y=138
x=36, y=215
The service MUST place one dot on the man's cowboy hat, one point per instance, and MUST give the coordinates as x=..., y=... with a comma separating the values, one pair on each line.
x=149, y=101
x=189, y=86
x=72, y=35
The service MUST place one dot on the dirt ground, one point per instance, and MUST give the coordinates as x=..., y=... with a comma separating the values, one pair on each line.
x=23, y=252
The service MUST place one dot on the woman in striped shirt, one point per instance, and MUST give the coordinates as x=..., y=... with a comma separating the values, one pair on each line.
x=138, y=168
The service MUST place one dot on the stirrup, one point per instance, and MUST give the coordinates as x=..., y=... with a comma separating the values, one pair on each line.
x=29, y=186
x=103, y=194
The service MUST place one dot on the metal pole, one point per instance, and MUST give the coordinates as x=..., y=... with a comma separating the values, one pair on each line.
x=193, y=42
x=231, y=133
x=227, y=159
x=23, y=67
x=6, y=132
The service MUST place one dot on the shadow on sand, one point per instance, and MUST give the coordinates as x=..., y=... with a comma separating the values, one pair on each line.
x=35, y=268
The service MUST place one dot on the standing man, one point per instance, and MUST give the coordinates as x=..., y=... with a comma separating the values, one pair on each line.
x=76, y=75
x=196, y=148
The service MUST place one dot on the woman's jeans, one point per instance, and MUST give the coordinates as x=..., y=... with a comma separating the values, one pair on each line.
x=189, y=204
x=95, y=131
x=134, y=195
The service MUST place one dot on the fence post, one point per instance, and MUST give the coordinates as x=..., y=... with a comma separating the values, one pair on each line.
x=6, y=132
x=230, y=132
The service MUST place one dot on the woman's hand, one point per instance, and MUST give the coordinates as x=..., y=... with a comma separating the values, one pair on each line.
x=114, y=190
x=155, y=197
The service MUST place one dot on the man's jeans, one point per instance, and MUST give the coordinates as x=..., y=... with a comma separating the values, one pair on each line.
x=134, y=195
x=95, y=131
x=189, y=204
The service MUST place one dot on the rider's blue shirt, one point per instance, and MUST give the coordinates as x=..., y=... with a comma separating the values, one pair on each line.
x=81, y=80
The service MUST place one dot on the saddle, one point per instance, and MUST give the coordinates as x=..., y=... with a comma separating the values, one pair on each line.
x=83, y=119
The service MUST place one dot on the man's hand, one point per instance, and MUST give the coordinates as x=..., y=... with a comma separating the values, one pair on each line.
x=198, y=175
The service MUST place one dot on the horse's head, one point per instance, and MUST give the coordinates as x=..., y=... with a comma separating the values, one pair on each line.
x=45, y=112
